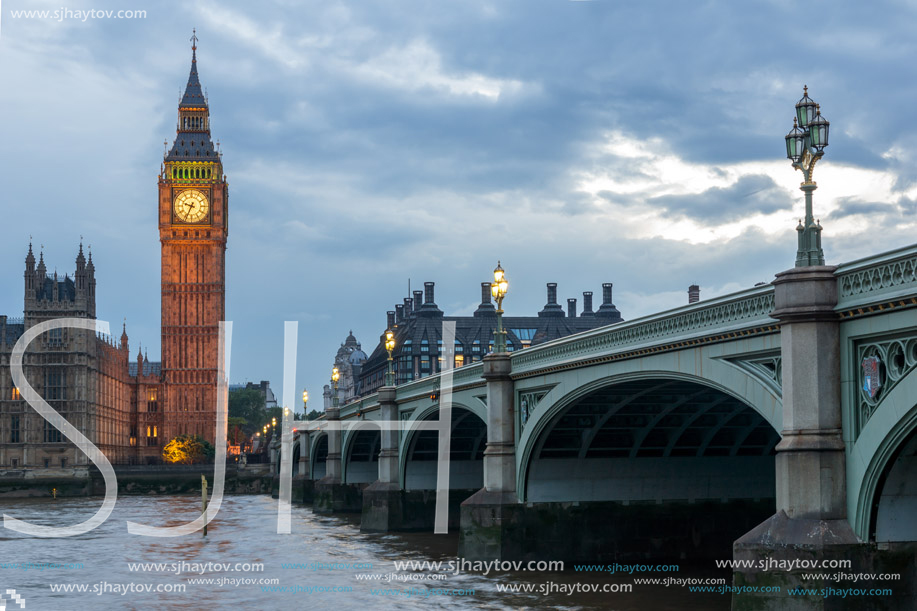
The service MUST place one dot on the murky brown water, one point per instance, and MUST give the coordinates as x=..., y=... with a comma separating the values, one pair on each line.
x=245, y=532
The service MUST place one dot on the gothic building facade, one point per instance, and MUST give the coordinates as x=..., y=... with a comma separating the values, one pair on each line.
x=130, y=408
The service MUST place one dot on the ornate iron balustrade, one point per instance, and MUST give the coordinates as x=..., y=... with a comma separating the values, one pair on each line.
x=745, y=309
x=877, y=279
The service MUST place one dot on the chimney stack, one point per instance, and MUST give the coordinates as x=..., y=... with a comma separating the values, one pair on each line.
x=608, y=309
x=399, y=313
x=390, y=319
x=418, y=300
x=571, y=307
x=428, y=294
x=693, y=293
x=587, y=304
x=486, y=306
x=552, y=308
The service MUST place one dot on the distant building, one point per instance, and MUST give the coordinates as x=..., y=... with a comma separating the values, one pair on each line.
x=349, y=361
x=417, y=323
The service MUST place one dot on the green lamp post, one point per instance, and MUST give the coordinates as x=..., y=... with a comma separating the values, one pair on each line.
x=498, y=292
x=805, y=145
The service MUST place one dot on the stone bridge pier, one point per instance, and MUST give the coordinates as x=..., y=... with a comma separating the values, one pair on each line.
x=383, y=500
x=330, y=494
x=811, y=518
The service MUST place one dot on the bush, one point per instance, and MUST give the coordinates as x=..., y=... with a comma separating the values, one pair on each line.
x=187, y=450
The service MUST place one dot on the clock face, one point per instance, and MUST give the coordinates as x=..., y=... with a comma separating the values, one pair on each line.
x=191, y=206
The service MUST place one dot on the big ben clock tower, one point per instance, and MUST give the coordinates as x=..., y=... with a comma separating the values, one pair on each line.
x=193, y=227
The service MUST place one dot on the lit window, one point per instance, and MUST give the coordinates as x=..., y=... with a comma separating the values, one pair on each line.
x=15, y=396
x=459, y=360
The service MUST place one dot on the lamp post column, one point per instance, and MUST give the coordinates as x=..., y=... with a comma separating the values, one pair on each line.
x=490, y=517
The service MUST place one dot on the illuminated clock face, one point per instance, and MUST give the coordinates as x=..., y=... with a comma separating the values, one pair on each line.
x=191, y=206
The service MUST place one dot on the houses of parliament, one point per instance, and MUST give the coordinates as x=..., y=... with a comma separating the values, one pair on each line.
x=129, y=407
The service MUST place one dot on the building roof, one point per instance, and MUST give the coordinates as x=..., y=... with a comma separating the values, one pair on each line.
x=193, y=144
x=149, y=368
x=418, y=330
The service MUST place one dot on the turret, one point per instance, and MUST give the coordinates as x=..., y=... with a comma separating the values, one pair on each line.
x=30, y=281
x=81, y=276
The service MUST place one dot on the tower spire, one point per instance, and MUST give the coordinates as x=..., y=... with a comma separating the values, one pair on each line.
x=192, y=138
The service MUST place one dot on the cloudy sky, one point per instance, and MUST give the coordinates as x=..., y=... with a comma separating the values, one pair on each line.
x=372, y=143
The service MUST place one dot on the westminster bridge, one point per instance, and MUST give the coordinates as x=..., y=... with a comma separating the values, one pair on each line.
x=778, y=418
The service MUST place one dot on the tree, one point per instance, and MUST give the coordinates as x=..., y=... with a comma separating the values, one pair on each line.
x=313, y=414
x=187, y=450
x=248, y=403
x=236, y=428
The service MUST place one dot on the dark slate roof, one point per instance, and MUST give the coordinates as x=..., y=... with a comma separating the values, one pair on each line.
x=194, y=95
x=192, y=146
x=149, y=368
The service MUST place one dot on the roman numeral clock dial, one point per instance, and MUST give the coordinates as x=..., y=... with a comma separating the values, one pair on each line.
x=191, y=206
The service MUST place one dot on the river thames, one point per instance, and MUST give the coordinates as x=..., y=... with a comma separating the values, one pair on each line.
x=326, y=563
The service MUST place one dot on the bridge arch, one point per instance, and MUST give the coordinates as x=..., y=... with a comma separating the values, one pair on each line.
x=614, y=438
x=319, y=456
x=887, y=488
x=419, y=451
x=360, y=456
x=296, y=455
x=728, y=380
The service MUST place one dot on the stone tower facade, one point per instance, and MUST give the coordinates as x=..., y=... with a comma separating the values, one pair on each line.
x=193, y=227
x=83, y=376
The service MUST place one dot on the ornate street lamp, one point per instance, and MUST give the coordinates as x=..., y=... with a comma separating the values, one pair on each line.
x=498, y=292
x=305, y=400
x=805, y=145
x=335, y=376
x=389, y=368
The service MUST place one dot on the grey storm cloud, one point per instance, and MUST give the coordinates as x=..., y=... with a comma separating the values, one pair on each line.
x=751, y=194
x=358, y=159
x=852, y=206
